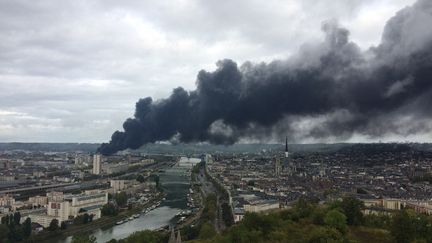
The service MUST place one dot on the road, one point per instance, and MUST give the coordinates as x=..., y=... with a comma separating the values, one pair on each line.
x=207, y=188
x=32, y=188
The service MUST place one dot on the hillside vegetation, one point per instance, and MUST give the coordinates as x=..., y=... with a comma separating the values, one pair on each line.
x=340, y=221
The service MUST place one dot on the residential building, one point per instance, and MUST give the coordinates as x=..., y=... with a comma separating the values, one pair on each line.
x=97, y=159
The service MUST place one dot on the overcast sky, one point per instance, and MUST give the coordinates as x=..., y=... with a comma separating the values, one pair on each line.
x=71, y=71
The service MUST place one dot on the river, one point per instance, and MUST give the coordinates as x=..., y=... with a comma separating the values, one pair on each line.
x=175, y=183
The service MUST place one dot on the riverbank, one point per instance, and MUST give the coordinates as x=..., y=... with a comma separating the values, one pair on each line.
x=104, y=222
x=175, y=186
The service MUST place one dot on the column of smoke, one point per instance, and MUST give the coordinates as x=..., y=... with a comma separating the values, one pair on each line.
x=331, y=89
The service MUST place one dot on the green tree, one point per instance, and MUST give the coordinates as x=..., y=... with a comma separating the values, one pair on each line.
x=324, y=235
x=318, y=215
x=17, y=218
x=146, y=236
x=4, y=233
x=83, y=239
x=157, y=181
x=78, y=219
x=8, y=219
x=190, y=232
x=63, y=226
x=109, y=210
x=402, y=228
x=423, y=226
x=207, y=231
x=352, y=208
x=54, y=225
x=227, y=215
x=86, y=218
x=140, y=178
x=262, y=223
x=335, y=219
x=16, y=233
x=377, y=221
x=303, y=208
x=210, y=208
x=121, y=199
x=5, y=219
x=27, y=229
x=242, y=235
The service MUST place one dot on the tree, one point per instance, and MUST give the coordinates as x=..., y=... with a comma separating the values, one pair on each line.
x=318, y=215
x=337, y=220
x=54, y=225
x=261, y=223
x=210, y=208
x=352, y=208
x=83, y=239
x=9, y=219
x=140, y=178
x=4, y=220
x=17, y=218
x=190, y=232
x=303, y=207
x=402, y=228
x=109, y=210
x=227, y=214
x=377, y=221
x=423, y=226
x=4, y=232
x=86, y=218
x=156, y=179
x=146, y=236
x=83, y=218
x=78, y=219
x=27, y=229
x=121, y=199
x=16, y=233
x=242, y=235
x=322, y=234
x=63, y=226
x=207, y=231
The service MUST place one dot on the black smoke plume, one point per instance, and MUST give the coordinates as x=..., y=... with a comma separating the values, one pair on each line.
x=331, y=89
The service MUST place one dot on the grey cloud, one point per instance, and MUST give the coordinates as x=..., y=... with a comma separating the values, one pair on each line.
x=52, y=52
x=348, y=91
x=398, y=87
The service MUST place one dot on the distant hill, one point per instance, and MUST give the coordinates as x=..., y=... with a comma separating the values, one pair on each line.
x=159, y=148
x=50, y=147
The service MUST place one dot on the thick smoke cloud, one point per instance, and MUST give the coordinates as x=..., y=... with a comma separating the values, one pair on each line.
x=333, y=86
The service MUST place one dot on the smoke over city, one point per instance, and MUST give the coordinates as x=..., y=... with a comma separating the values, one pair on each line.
x=331, y=89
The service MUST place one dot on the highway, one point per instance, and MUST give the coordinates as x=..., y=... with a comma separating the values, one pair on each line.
x=34, y=188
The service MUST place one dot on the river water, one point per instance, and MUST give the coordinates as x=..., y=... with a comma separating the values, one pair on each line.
x=175, y=182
